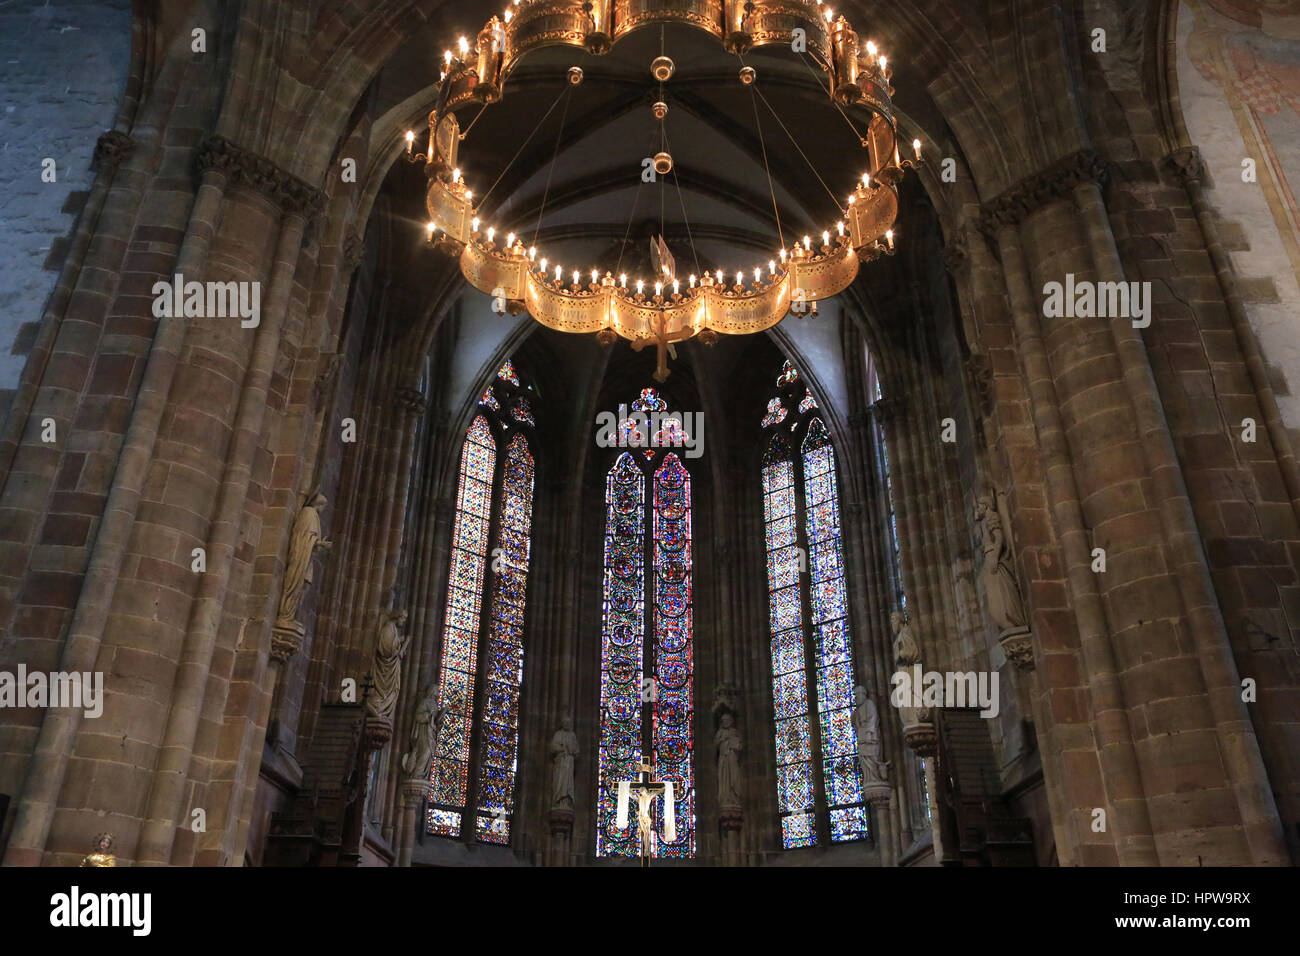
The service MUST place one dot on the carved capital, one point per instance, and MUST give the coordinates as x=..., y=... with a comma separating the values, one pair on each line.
x=354, y=250
x=1018, y=645
x=561, y=821
x=887, y=410
x=979, y=376
x=1055, y=182
x=956, y=255
x=111, y=148
x=409, y=400
x=244, y=168
x=1187, y=164
x=922, y=737
x=286, y=640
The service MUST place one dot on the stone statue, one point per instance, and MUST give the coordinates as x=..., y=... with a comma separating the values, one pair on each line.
x=1001, y=593
x=101, y=852
x=424, y=732
x=303, y=542
x=727, y=740
x=866, y=721
x=386, y=668
x=906, y=651
x=564, y=747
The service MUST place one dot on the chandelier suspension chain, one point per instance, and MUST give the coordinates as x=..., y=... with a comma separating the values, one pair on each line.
x=519, y=151
x=465, y=132
x=627, y=230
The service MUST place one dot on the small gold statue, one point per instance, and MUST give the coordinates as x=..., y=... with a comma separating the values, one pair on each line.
x=101, y=854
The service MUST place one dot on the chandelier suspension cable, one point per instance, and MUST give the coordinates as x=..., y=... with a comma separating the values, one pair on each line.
x=627, y=230
x=686, y=220
x=465, y=132
x=762, y=142
x=550, y=170
x=527, y=140
x=794, y=142
x=803, y=58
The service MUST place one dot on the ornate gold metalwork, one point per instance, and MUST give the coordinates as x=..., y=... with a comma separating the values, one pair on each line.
x=857, y=76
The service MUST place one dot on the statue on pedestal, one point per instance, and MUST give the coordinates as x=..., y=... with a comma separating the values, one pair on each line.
x=906, y=651
x=866, y=722
x=424, y=731
x=564, y=748
x=386, y=667
x=1001, y=593
x=727, y=740
x=304, y=540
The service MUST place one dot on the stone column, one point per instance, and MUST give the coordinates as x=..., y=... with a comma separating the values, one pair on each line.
x=561, y=847
x=412, y=796
x=35, y=806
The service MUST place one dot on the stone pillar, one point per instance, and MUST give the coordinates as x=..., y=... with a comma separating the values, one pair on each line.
x=560, y=851
x=412, y=796
x=731, y=821
x=34, y=809
x=919, y=733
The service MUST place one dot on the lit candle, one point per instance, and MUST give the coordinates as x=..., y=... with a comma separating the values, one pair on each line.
x=852, y=199
x=866, y=180
x=916, y=148
x=771, y=266
x=740, y=278
x=839, y=227
x=463, y=44
x=758, y=273
x=543, y=265
x=468, y=195
x=508, y=14
x=410, y=141
x=883, y=63
x=431, y=227
x=490, y=233
x=659, y=288
x=871, y=48
x=783, y=256
x=807, y=242
x=474, y=224
x=576, y=276
x=622, y=279
x=532, y=253
x=676, y=287
x=595, y=276
x=455, y=175
x=719, y=276
x=889, y=237
x=692, y=280
x=510, y=239
x=559, y=273
x=640, y=286
x=446, y=57
x=826, y=238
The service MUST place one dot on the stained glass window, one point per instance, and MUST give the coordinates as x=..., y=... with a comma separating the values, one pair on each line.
x=819, y=789
x=789, y=375
x=776, y=413
x=523, y=412
x=507, y=373
x=647, y=664
x=490, y=400
x=482, y=654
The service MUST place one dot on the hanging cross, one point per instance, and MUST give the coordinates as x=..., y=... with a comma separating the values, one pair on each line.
x=646, y=790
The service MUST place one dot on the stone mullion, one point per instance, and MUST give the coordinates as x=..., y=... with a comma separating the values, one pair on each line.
x=34, y=809
x=1243, y=761
x=764, y=830
x=905, y=473
x=88, y=252
x=170, y=776
x=546, y=600
x=1120, y=781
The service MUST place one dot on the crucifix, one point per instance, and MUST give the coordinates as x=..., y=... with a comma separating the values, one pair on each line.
x=646, y=790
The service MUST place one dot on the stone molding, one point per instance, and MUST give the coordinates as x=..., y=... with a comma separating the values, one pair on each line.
x=244, y=168
x=1055, y=182
x=111, y=148
x=1187, y=164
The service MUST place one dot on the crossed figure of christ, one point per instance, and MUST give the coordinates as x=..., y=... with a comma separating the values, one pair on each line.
x=646, y=790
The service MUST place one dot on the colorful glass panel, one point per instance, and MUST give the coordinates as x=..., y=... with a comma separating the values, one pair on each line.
x=808, y=402
x=523, y=412
x=832, y=659
x=498, y=732
x=673, y=658
x=776, y=413
x=622, y=641
x=649, y=401
x=789, y=375
x=507, y=373
x=490, y=400
x=450, y=770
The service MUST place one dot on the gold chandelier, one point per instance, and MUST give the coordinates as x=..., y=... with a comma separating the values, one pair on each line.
x=668, y=310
